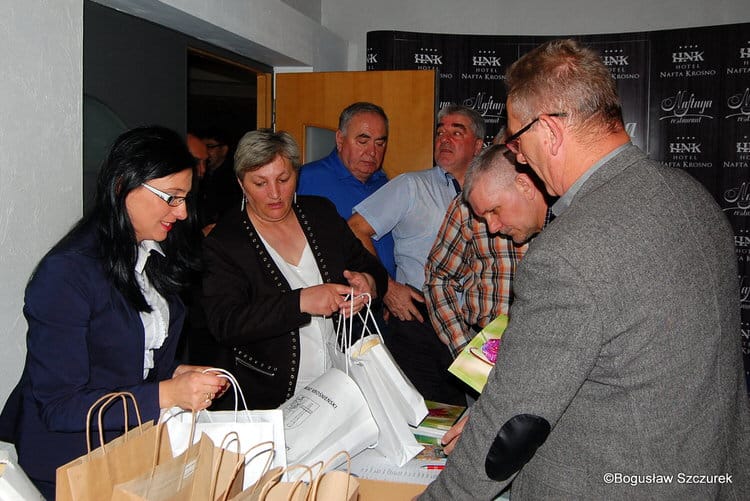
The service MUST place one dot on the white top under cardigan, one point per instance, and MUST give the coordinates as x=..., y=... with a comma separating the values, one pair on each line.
x=315, y=336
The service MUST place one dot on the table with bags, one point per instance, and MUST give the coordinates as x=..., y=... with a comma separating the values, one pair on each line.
x=358, y=410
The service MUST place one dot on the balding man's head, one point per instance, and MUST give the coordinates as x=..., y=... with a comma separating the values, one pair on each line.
x=508, y=200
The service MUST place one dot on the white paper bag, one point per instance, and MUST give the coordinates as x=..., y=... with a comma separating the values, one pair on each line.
x=327, y=416
x=251, y=426
x=392, y=399
x=395, y=439
x=14, y=484
x=372, y=352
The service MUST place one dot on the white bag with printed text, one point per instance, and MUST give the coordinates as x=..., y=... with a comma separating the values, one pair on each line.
x=328, y=415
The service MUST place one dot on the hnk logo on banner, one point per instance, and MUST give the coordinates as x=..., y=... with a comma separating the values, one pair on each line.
x=685, y=97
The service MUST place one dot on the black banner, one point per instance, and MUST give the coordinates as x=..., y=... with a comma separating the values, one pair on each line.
x=685, y=96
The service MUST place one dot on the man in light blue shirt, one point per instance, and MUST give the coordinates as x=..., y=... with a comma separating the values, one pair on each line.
x=353, y=170
x=412, y=207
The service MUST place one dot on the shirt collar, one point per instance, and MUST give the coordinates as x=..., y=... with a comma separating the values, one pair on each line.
x=343, y=173
x=565, y=200
x=548, y=217
x=144, y=250
x=445, y=176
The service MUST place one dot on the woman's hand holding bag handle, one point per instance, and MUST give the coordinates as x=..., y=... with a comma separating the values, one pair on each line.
x=252, y=426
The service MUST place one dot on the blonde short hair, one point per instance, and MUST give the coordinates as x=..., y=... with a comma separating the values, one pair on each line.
x=260, y=147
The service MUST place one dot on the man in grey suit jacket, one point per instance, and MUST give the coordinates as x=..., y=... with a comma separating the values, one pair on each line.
x=620, y=374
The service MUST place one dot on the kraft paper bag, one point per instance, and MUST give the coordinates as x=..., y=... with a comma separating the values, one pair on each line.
x=309, y=483
x=377, y=490
x=196, y=475
x=270, y=486
x=335, y=484
x=94, y=475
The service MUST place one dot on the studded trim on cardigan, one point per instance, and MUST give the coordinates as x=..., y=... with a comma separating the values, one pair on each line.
x=242, y=356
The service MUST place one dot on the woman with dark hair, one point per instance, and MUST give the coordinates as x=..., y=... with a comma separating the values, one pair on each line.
x=103, y=310
x=277, y=271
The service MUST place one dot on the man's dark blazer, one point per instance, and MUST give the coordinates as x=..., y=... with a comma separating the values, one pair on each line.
x=624, y=338
x=84, y=340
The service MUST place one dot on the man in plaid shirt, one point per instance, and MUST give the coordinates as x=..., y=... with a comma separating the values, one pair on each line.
x=469, y=271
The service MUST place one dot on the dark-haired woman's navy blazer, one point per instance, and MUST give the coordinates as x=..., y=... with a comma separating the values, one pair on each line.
x=84, y=340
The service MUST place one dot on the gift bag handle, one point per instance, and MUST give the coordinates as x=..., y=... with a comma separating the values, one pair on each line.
x=371, y=317
x=157, y=448
x=102, y=403
x=316, y=483
x=276, y=478
x=228, y=439
x=245, y=461
x=235, y=386
x=347, y=336
x=169, y=415
x=344, y=333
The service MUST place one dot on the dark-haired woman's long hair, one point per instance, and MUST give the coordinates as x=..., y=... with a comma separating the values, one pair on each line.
x=138, y=156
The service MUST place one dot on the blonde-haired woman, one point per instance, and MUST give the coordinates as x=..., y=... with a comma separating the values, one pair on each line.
x=277, y=271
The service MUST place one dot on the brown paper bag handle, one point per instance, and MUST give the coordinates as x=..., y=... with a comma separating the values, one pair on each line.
x=233, y=436
x=159, y=434
x=316, y=483
x=243, y=460
x=160, y=426
x=276, y=478
x=102, y=403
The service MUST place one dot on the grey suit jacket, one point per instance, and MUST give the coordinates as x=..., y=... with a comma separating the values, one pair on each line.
x=624, y=336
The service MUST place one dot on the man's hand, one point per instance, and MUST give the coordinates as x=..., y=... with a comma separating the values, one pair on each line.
x=400, y=301
x=450, y=439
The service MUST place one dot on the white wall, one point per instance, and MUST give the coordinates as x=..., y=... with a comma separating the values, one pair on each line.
x=311, y=8
x=353, y=19
x=40, y=136
x=269, y=31
x=41, y=87
x=41, y=93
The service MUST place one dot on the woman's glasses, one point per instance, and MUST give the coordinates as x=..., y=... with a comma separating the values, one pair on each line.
x=172, y=200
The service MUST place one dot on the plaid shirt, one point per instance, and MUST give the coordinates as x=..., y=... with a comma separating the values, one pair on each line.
x=468, y=276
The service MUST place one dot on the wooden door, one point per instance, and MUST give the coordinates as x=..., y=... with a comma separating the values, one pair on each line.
x=408, y=98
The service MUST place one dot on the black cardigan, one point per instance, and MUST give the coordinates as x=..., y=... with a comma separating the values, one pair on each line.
x=250, y=307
